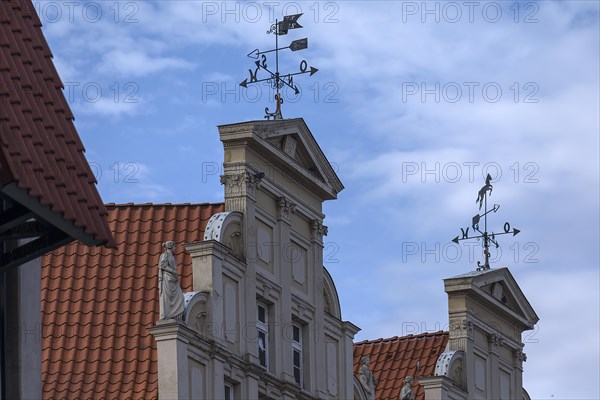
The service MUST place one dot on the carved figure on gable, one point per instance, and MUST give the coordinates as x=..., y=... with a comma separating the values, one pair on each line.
x=407, y=393
x=367, y=379
x=170, y=294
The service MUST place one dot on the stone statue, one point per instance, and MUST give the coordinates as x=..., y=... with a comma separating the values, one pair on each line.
x=367, y=379
x=170, y=294
x=407, y=393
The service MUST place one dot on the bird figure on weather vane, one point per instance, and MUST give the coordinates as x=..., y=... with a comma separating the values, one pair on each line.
x=487, y=237
x=277, y=80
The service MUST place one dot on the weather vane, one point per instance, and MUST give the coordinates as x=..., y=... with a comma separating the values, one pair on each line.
x=277, y=80
x=488, y=238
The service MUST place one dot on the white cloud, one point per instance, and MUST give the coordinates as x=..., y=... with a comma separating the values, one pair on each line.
x=106, y=106
x=138, y=63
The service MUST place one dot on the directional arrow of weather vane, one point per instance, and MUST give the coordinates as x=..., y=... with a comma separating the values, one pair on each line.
x=488, y=238
x=276, y=79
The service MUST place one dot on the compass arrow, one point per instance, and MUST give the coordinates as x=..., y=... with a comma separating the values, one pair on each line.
x=491, y=236
x=279, y=78
x=296, y=45
x=245, y=82
x=312, y=71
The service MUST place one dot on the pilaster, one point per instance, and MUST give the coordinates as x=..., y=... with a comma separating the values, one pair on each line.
x=349, y=330
x=317, y=232
x=283, y=329
x=172, y=339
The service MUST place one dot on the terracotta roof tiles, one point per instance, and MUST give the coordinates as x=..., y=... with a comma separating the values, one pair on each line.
x=98, y=302
x=40, y=150
x=395, y=358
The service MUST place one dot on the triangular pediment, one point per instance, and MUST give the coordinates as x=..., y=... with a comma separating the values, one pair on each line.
x=290, y=145
x=500, y=290
x=293, y=146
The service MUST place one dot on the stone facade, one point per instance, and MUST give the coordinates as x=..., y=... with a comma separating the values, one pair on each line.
x=264, y=320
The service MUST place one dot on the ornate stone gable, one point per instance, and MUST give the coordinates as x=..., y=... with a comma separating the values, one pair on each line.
x=287, y=146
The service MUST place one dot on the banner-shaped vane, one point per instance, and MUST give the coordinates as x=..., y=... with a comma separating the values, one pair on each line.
x=289, y=22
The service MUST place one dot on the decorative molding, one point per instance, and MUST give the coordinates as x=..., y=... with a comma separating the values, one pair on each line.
x=301, y=311
x=235, y=204
x=519, y=357
x=317, y=231
x=461, y=332
x=285, y=209
x=289, y=146
x=195, y=312
x=226, y=227
x=494, y=342
x=235, y=143
x=451, y=364
x=462, y=327
x=241, y=184
x=235, y=128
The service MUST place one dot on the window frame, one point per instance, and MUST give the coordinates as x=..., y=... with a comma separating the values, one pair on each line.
x=231, y=392
x=297, y=348
x=262, y=327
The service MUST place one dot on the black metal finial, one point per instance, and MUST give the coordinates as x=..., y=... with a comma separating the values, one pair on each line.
x=482, y=196
x=277, y=80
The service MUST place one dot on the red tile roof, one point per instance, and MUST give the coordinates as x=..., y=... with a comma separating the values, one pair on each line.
x=98, y=302
x=395, y=358
x=40, y=150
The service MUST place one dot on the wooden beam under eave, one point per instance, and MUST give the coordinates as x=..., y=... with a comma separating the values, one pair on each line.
x=27, y=230
x=45, y=214
x=14, y=216
x=36, y=248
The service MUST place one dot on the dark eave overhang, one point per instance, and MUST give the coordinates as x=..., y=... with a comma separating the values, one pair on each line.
x=29, y=230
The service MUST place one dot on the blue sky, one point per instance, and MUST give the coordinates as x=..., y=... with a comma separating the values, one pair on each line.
x=413, y=104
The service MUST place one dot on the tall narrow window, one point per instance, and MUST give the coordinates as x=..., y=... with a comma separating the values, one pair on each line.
x=297, y=352
x=228, y=392
x=262, y=341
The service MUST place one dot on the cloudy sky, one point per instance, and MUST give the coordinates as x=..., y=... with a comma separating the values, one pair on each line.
x=414, y=103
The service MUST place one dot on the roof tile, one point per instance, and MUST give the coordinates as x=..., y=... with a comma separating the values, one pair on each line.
x=395, y=358
x=40, y=149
